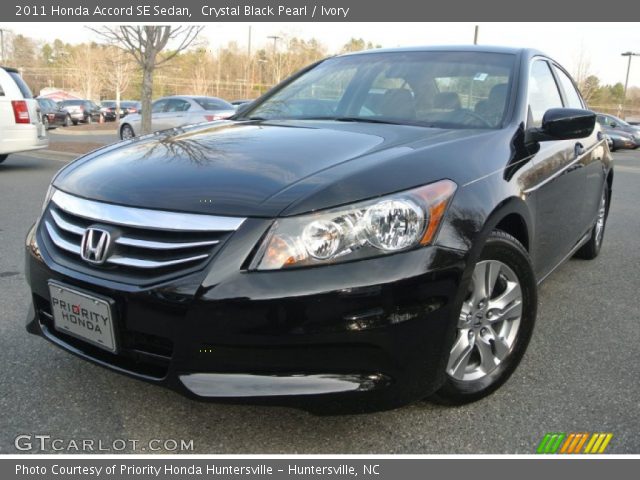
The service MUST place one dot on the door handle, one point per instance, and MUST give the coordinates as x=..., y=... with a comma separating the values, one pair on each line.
x=578, y=150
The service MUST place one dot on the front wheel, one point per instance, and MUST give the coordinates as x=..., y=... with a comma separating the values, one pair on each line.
x=126, y=132
x=494, y=324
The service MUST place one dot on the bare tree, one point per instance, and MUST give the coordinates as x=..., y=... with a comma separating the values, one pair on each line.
x=120, y=71
x=145, y=43
x=83, y=61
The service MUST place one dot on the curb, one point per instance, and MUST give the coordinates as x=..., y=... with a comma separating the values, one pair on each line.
x=66, y=131
x=53, y=155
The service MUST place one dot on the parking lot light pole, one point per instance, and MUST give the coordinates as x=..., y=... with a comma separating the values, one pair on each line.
x=626, y=82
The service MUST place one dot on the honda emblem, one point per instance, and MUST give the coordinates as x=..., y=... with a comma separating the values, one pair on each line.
x=95, y=245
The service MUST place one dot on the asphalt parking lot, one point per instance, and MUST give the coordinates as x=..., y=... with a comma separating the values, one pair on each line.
x=580, y=373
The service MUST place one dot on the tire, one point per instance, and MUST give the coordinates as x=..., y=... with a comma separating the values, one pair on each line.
x=491, y=335
x=89, y=119
x=75, y=122
x=45, y=123
x=67, y=121
x=3, y=157
x=591, y=249
x=126, y=132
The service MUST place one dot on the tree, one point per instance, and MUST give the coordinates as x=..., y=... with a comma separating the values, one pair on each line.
x=83, y=61
x=357, y=44
x=120, y=69
x=145, y=44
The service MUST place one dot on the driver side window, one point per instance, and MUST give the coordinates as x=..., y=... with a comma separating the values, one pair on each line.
x=543, y=92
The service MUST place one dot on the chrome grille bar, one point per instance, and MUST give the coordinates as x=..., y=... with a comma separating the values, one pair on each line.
x=143, y=218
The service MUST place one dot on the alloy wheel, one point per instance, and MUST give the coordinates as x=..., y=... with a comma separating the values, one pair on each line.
x=126, y=133
x=602, y=214
x=488, y=323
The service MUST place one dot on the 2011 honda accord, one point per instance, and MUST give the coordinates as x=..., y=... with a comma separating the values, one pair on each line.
x=370, y=232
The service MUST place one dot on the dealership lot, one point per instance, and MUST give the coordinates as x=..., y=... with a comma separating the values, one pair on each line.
x=580, y=373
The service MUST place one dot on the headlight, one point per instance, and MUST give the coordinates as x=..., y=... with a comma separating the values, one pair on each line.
x=388, y=224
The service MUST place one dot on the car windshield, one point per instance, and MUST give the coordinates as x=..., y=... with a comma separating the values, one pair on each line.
x=212, y=103
x=433, y=89
x=67, y=103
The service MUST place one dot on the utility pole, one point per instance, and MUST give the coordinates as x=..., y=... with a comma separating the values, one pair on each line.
x=626, y=82
x=276, y=64
x=249, y=73
x=475, y=35
x=2, y=42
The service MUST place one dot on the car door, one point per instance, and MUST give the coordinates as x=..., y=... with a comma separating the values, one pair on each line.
x=177, y=112
x=593, y=153
x=559, y=192
x=158, y=115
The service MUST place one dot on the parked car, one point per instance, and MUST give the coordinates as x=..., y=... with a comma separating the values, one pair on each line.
x=52, y=115
x=611, y=124
x=20, y=117
x=324, y=251
x=84, y=111
x=177, y=111
x=620, y=140
x=108, y=109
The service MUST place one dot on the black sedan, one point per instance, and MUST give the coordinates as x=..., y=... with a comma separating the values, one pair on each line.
x=369, y=233
x=621, y=134
x=52, y=115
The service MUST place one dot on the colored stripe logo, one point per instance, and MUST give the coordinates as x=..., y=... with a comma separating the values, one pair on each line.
x=574, y=443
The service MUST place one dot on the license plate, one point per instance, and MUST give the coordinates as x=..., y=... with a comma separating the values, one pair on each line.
x=85, y=316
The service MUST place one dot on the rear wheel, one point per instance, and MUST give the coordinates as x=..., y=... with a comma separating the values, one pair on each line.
x=495, y=322
x=591, y=249
x=126, y=132
x=67, y=121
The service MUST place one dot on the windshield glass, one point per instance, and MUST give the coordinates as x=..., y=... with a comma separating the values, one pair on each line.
x=435, y=89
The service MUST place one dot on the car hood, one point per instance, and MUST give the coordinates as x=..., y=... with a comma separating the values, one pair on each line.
x=242, y=168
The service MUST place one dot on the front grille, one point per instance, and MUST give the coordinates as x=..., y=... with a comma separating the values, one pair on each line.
x=144, y=246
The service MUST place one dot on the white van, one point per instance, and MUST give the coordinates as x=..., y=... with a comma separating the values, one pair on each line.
x=21, y=125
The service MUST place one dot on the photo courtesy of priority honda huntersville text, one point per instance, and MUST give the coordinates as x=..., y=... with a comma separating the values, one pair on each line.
x=370, y=232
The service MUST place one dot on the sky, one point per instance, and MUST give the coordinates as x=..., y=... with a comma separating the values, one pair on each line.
x=600, y=43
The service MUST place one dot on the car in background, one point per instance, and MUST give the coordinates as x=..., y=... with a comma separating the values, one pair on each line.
x=108, y=109
x=619, y=140
x=84, y=111
x=237, y=103
x=611, y=124
x=177, y=111
x=20, y=116
x=52, y=115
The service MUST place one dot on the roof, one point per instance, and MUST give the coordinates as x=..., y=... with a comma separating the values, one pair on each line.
x=454, y=48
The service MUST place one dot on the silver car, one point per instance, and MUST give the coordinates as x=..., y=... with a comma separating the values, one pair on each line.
x=177, y=111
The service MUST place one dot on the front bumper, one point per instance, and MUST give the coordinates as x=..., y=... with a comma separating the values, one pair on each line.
x=358, y=336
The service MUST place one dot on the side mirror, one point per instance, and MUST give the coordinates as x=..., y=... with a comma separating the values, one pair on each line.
x=564, y=124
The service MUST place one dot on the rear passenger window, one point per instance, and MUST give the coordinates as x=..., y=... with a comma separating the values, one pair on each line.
x=23, y=87
x=573, y=97
x=543, y=92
